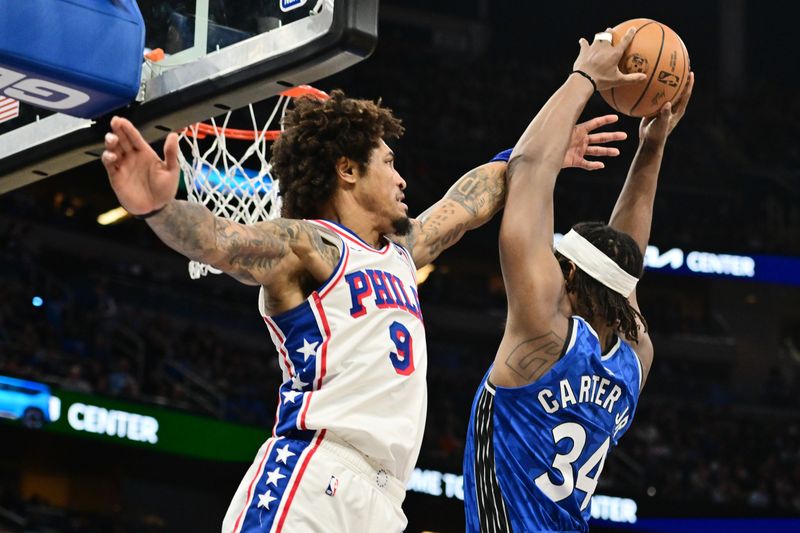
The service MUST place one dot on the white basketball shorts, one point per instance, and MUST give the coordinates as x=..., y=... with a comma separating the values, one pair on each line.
x=315, y=485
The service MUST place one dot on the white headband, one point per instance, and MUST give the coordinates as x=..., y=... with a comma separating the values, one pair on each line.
x=595, y=263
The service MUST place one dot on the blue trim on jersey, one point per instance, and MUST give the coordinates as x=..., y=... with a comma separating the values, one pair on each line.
x=273, y=483
x=406, y=254
x=505, y=155
x=303, y=338
x=524, y=426
x=355, y=235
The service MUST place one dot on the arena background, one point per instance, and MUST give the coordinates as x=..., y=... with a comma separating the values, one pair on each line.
x=108, y=319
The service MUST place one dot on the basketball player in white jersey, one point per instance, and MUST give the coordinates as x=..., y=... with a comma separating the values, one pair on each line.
x=338, y=294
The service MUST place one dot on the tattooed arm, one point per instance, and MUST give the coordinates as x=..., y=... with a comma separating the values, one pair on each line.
x=478, y=195
x=470, y=203
x=258, y=254
x=280, y=254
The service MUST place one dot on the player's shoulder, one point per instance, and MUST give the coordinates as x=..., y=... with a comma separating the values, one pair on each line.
x=297, y=230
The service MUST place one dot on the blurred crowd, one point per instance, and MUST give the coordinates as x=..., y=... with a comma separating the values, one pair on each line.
x=103, y=330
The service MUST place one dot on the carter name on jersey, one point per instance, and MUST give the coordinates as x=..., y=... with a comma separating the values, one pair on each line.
x=592, y=389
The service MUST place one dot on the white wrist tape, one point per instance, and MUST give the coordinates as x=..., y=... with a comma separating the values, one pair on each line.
x=596, y=264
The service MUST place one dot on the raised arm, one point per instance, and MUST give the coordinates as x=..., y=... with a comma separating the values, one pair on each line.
x=535, y=329
x=533, y=279
x=480, y=193
x=633, y=212
x=259, y=254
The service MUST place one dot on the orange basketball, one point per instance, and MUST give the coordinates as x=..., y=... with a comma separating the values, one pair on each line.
x=657, y=51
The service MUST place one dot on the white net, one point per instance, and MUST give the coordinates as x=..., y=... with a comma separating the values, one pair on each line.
x=233, y=182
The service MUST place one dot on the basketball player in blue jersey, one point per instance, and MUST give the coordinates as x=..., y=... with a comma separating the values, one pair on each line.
x=339, y=298
x=575, y=352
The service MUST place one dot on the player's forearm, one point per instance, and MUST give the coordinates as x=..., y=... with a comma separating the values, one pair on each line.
x=543, y=144
x=481, y=192
x=633, y=212
x=187, y=228
x=468, y=204
x=535, y=163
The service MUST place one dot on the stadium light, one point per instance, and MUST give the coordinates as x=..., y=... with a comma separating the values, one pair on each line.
x=113, y=216
x=424, y=272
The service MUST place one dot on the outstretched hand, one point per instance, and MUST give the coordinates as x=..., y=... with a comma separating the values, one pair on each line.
x=142, y=181
x=584, y=143
x=659, y=126
x=600, y=60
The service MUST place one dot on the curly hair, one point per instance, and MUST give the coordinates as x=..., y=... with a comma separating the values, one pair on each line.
x=594, y=297
x=316, y=134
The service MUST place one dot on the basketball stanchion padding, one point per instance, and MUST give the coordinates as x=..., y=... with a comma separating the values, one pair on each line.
x=78, y=57
x=216, y=175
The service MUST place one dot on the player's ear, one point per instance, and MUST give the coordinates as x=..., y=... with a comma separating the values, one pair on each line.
x=346, y=170
x=569, y=274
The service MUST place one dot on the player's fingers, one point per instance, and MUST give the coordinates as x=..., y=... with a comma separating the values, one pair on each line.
x=583, y=43
x=128, y=133
x=683, y=100
x=125, y=144
x=634, y=77
x=109, y=160
x=171, y=152
x=607, y=137
x=592, y=165
x=602, y=151
x=626, y=39
x=110, y=141
x=599, y=122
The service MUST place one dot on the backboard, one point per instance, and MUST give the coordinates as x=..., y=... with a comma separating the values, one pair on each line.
x=219, y=55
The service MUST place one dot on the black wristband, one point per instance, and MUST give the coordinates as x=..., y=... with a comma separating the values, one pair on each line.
x=152, y=213
x=582, y=73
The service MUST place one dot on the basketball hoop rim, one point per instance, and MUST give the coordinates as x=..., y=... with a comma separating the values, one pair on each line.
x=201, y=130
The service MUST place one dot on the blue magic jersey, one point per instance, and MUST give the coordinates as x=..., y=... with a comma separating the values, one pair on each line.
x=534, y=453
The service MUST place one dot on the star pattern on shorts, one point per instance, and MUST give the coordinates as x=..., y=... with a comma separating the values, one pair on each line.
x=265, y=499
x=290, y=396
x=283, y=454
x=275, y=476
x=297, y=383
x=308, y=349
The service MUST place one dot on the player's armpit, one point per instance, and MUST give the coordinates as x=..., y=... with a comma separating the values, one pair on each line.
x=263, y=252
x=470, y=203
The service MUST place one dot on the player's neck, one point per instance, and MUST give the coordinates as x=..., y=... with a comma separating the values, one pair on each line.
x=605, y=333
x=356, y=219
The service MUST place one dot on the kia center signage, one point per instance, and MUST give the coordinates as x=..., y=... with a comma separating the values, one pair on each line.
x=113, y=423
x=763, y=268
x=36, y=405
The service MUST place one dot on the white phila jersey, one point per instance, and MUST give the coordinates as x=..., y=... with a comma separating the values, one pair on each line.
x=354, y=356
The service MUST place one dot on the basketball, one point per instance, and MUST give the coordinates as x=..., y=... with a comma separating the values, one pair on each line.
x=660, y=53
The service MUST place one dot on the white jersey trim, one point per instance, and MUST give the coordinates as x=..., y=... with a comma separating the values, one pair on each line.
x=349, y=235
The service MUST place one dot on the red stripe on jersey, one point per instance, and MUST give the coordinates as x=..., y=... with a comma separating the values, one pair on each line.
x=252, y=483
x=327, y=289
x=323, y=357
x=277, y=415
x=297, y=481
x=274, y=327
x=352, y=239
